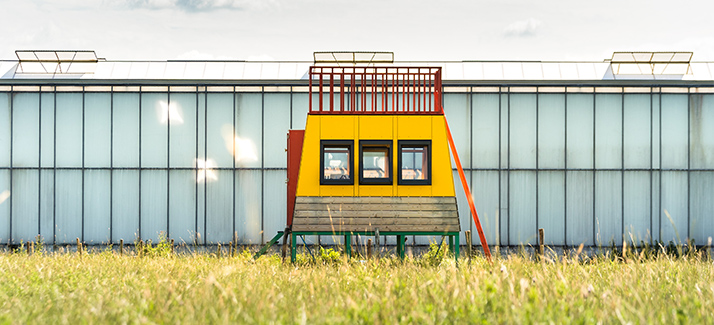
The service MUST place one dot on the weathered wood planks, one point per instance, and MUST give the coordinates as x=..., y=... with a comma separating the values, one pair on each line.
x=408, y=214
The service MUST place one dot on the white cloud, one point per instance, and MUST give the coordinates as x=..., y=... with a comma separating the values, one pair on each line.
x=199, y=5
x=523, y=28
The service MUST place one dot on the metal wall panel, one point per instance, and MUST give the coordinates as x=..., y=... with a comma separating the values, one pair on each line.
x=47, y=204
x=68, y=205
x=249, y=123
x=154, y=130
x=702, y=204
x=484, y=188
x=25, y=216
x=608, y=207
x=276, y=123
x=458, y=114
x=47, y=130
x=97, y=130
x=274, y=198
x=637, y=131
x=125, y=137
x=299, y=110
x=551, y=206
x=522, y=208
x=5, y=206
x=97, y=207
x=636, y=206
x=68, y=141
x=26, y=130
x=183, y=132
x=522, y=131
x=125, y=205
x=579, y=221
x=675, y=132
x=702, y=131
x=485, y=131
x=551, y=131
x=675, y=202
x=154, y=199
x=5, y=129
x=219, y=206
x=248, y=207
x=580, y=132
x=608, y=131
x=182, y=206
x=220, y=131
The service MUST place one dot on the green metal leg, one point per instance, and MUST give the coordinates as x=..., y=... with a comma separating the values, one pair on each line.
x=293, y=247
x=348, y=246
x=400, y=246
x=451, y=243
x=456, y=248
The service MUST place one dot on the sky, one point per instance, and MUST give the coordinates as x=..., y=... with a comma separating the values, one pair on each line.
x=415, y=30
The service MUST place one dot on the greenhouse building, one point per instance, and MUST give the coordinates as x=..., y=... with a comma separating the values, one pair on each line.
x=592, y=152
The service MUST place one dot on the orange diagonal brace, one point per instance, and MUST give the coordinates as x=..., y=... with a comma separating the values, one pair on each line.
x=484, y=244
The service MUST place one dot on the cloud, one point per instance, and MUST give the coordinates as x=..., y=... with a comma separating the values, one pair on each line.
x=523, y=28
x=198, y=5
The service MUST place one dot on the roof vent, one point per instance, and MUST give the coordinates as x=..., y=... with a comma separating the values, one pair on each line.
x=56, y=61
x=353, y=58
x=651, y=63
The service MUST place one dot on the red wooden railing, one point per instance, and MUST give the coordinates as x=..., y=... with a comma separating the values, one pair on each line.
x=375, y=90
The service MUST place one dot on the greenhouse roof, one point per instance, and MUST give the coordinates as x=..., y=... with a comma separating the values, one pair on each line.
x=616, y=68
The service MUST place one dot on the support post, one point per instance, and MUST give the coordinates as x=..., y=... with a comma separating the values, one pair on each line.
x=456, y=248
x=121, y=247
x=451, y=244
x=541, y=244
x=376, y=239
x=293, y=248
x=467, y=191
x=469, y=245
x=348, y=246
x=369, y=248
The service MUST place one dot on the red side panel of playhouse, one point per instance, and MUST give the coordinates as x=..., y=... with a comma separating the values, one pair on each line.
x=295, y=138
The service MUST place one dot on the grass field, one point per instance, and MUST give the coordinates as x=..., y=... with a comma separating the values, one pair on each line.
x=103, y=287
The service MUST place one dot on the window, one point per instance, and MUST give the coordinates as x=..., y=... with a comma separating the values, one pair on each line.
x=375, y=162
x=414, y=162
x=336, y=162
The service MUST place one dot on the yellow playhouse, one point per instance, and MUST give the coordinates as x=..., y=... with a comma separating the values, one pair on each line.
x=373, y=158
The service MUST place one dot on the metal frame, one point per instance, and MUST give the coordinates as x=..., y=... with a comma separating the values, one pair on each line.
x=454, y=239
x=403, y=90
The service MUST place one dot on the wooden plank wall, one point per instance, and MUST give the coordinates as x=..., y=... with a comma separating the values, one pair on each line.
x=407, y=214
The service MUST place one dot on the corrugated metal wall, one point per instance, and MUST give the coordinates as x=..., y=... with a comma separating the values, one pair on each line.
x=588, y=166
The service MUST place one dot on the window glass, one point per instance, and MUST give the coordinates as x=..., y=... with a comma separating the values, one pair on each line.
x=414, y=162
x=336, y=166
x=375, y=162
x=337, y=163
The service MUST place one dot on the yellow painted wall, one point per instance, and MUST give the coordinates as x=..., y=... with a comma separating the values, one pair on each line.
x=370, y=127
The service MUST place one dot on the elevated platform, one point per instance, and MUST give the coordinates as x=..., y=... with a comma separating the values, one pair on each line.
x=368, y=214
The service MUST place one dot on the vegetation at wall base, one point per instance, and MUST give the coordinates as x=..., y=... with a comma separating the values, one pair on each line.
x=150, y=285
